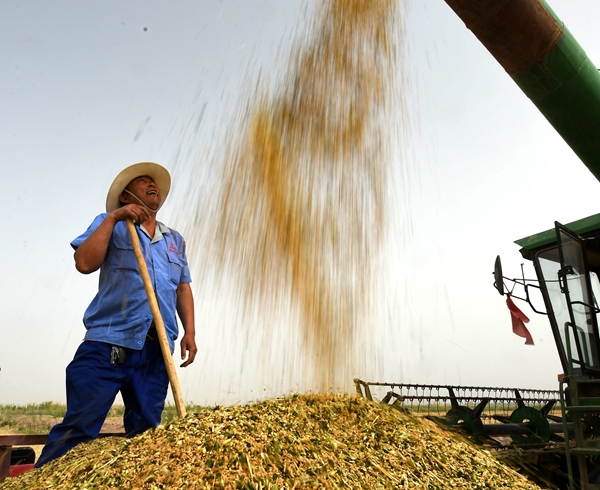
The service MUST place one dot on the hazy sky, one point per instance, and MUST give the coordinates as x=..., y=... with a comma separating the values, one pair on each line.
x=88, y=88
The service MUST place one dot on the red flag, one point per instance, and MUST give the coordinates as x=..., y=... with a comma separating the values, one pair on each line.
x=519, y=319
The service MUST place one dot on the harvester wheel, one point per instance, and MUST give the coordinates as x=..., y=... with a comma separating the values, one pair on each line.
x=466, y=418
x=538, y=423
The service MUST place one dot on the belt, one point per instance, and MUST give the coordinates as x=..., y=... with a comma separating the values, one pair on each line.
x=152, y=334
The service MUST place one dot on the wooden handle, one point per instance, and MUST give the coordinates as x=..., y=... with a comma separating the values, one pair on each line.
x=158, y=321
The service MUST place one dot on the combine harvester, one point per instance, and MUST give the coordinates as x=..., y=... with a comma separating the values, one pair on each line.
x=546, y=62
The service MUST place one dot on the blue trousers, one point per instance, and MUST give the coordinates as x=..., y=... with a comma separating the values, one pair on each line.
x=93, y=384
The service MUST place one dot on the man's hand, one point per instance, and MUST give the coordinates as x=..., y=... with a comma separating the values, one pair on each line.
x=185, y=309
x=134, y=211
x=188, y=349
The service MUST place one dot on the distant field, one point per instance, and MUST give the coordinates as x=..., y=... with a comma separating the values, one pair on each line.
x=38, y=418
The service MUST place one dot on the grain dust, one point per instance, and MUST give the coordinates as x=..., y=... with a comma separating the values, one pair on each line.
x=301, y=207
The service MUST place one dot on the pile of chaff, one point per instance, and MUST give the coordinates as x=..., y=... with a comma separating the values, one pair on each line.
x=315, y=441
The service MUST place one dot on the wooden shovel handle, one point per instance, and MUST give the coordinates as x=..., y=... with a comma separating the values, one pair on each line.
x=158, y=321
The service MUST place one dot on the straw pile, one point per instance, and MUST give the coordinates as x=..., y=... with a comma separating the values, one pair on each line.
x=317, y=441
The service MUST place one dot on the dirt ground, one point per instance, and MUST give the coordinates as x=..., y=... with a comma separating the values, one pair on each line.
x=39, y=425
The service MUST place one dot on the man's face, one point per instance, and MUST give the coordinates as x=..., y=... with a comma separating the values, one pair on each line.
x=145, y=190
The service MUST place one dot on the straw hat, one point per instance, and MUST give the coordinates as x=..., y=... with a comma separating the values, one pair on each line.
x=156, y=172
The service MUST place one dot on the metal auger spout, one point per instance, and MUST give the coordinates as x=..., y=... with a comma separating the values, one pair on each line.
x=546, y=62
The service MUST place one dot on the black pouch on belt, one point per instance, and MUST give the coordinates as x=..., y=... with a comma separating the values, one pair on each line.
x=117, y=355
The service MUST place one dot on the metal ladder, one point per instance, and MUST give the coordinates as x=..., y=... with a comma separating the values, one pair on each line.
x=581, y=406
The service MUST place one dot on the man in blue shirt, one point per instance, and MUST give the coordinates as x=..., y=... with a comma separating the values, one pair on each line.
x=121, y=352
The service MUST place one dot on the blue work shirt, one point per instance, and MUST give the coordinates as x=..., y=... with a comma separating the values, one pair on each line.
x=120, y=314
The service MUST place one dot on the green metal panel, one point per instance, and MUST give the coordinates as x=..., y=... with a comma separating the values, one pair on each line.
x=582, y=226
x=565, y=87
x=543, y=58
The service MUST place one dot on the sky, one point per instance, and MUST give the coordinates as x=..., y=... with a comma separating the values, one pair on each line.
x=88, y=88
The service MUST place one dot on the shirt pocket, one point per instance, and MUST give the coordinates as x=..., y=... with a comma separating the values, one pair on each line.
x=175, y=267
x=123, y=256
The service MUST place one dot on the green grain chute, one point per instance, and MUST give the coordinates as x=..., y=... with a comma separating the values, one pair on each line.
x=546, y=62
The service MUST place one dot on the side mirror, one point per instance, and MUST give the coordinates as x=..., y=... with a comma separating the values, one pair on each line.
x=498, y=280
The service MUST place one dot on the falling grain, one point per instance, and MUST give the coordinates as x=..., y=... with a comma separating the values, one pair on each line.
x=302, y=196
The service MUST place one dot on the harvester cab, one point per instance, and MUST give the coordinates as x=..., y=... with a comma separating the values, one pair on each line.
x=566, y=260
x=567, y=265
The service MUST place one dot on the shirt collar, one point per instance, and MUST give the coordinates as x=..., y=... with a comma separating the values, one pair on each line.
x=161, y=229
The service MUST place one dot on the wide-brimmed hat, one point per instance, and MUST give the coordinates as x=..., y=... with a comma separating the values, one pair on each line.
x=158, y=173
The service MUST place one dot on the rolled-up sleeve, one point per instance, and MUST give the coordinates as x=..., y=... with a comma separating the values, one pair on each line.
x=186, y=277
x=84, y=236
